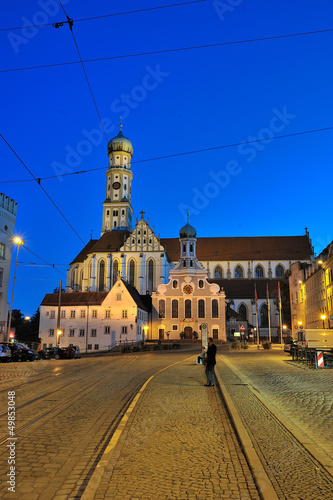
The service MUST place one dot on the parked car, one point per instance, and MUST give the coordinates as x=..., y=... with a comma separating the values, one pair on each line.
x=76, y=351
x=54, y=352
x=16, y=351
x=289, y=345
x=5, y=353
x=31, y=354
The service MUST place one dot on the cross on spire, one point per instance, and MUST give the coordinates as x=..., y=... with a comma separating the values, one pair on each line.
x=142, y=214
x=121, y=123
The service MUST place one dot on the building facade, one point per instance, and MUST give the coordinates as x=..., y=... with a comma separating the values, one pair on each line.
x=8, y=208
x=94, y=320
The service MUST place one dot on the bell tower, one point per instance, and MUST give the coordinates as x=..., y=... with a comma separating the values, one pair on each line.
x=117, y=208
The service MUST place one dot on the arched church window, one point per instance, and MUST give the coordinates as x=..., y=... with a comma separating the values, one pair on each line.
x=279, y=271
x=81, y=278
x=131, y=272
x=239, y=272
x=74, y=278
x=218, y=273
x=115, y=269
x=201, y=284
x=101, y=276
x=215, y=308
x=188, y=308
x=108, y=212
x=184, y=248
x=150, y=275
x=242, y=310
x=175, y=284
x=90, y=269
x=259, y=271
x=201, y=308
x=174, y=308
x=161, y=308
x=264, y=315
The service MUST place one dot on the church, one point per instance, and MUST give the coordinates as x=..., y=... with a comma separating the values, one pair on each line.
x=228, y=283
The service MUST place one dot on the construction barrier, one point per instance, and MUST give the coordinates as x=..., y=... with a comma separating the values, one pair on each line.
x=313, y=358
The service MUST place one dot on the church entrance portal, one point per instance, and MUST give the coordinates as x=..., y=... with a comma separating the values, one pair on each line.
x=188, y=331
x=161, y=333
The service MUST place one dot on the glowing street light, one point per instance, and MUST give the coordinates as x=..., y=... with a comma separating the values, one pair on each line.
x=19, y=242
x=323, y=317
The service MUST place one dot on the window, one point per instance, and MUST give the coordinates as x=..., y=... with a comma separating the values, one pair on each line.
x=89, y=347
x=72, y=314
x=243, y=311
x=175, y=284
x=63, y=314
x=218, y=273
x=115, y=271
x=131, y=272
x=215, y=308
x=174, y=327
x=124, y=313
x=93, y=332
x=51, y=332
x=215, y=333
x=201, y=284
x=96, y=347
x=279, y=271
x=264, y=315
x=191, y=248
x=72, y=332
x=118, y=296
x=106, y=329
x=184, y=248
x=239, y=272
x=82, y=313
x=107, y=313
x=259, y=271
x=124, y=329
x=174, y=308
x=188, y=308
x=161, y=308
x=94, y=313
x=2, y=251
x=150, y=275
x=81, y=334
x=115, y=213
x=101, y=276
x=1, y=275
x=52, y=315
x=201, y=308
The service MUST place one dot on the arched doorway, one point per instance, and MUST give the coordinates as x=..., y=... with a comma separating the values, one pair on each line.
x=188, y=332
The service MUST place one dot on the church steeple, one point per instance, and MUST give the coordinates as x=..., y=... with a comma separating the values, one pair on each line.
x=117, y=208
x=188, y=258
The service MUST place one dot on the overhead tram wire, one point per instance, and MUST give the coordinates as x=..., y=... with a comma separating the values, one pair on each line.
x=174, y=155
x=108, y=15
x=70, y=24
x=38, y=257
x=165, y=51
x=39, y=184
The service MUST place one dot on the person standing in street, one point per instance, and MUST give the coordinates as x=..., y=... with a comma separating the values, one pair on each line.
x=211, y=362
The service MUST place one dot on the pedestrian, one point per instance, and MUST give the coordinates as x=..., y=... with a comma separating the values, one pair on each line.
x=211, y=362
x=202, y=356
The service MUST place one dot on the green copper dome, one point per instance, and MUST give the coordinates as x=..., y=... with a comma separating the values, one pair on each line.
x=187, y=231
x=120, y=143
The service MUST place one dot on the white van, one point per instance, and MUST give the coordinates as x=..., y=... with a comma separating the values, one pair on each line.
x=317, y=338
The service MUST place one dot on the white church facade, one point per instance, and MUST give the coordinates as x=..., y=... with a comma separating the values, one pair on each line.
x=146, y=261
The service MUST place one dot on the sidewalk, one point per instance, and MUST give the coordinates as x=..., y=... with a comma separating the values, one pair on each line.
x=175, y=442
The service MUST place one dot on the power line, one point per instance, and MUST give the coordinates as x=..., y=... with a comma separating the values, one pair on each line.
x=179, y=49
x=174, y=155
x=107, y=15
x=39, y=184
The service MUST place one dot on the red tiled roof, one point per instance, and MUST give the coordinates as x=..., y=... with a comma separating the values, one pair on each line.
x=244, y=248
x=109, y=242
x=74, y=299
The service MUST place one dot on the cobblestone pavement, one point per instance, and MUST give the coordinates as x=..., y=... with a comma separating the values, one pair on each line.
x=303, y=398
x=178, y=444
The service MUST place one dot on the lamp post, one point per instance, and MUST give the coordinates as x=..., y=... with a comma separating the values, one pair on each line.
x=323, y=317
x=19, y=242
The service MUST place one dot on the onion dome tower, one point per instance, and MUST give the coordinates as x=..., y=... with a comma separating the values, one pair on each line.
x=117, y=208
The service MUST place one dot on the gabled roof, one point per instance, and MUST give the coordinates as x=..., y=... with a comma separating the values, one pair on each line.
x=108, y=242
x=230, y=313
x=138, y=299
x=245, y=248
x=244, y=288
x=75, y=299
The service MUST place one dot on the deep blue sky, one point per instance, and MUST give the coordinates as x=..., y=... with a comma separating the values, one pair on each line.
x=201, y=99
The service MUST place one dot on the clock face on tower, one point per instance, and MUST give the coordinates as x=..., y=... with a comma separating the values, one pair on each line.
x=188, y=289
x=116, y=185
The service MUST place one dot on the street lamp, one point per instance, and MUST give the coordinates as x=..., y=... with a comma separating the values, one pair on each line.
x=323, y=317
x=19, y=242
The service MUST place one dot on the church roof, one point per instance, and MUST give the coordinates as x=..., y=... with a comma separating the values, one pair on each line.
x=242, y=288
x=245, y=248
x=108, y=242
x=139, y=299
x=74, y=299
